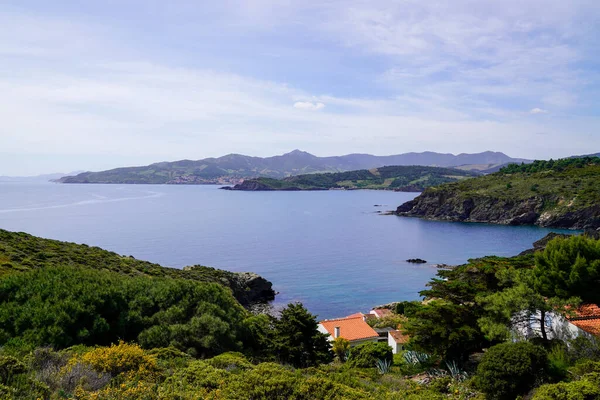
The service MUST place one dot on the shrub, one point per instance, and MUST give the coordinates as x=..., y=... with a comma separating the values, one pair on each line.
x=119, y=358
x=230, y=362
x=197, y=375
x=366, y=355
x=390, y=321
x=583, y=347
x=138, y=390
x=584, y=389
x=9, y=367
x=511, y=369
x=406, y=308
x=66, y=306
x=79, y=375
x=340, y=348
x=558, y=362
x=585, y=367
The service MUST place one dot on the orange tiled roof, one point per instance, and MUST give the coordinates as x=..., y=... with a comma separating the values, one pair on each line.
x=591, y=326
x=587, y=318
x=355, y=315
x=587, y=311
x=359, y=314
x=399, y=337
x=353, y=328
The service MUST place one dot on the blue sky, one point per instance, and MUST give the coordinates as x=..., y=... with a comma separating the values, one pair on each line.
x=96, y=85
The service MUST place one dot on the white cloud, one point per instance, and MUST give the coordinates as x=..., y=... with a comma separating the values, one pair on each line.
x=538, y=111
x=307, y=105
x=458, y=79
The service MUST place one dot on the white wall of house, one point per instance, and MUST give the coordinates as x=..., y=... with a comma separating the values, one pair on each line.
x=396, y=347
x=322, y=329
x=557, y=327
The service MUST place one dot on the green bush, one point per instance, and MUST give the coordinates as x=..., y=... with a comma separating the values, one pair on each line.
x=587, y=388
x=230, y=362
x=340, y=348
x=9, y=367
x=558, y=362
x=585, y=367
x=366, y=355
x=511, y=369
x=65, y=306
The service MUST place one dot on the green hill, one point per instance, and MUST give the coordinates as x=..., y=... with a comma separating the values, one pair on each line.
x=20, y=252
x=561, y=194
x=400, y=178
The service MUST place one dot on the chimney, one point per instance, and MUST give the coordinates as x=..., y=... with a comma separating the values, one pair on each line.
x=336, y=332
x=364, y=318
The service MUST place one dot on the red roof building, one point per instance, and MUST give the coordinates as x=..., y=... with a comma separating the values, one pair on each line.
x=352, y=328
x=381, y=312
x=587, y=318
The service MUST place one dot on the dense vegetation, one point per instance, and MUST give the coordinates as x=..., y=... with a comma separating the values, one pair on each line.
x=403, y=178
x=550, y=165
x=20, y=252
x=71, y=331
x=563, y=193
x=236, y=166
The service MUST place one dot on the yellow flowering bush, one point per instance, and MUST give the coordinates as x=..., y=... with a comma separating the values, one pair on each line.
x=126, y=391
x=119, y=358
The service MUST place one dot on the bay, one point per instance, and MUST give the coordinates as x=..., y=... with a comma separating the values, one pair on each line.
x=330, y=250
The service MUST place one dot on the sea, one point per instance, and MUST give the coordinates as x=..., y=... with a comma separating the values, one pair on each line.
x=334, y=251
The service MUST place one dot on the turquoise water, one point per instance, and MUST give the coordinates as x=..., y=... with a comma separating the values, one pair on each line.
x=327, y=249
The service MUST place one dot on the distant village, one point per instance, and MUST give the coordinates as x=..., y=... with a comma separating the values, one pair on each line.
x=197, y=180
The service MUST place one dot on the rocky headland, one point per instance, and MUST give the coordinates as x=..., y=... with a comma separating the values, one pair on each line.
x=566, y=197
x=20, y=252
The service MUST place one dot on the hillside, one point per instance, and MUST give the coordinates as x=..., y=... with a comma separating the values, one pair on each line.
x=20, y=252
x=560, y=194
x=400, y=178
x=482, y=333
x=234, y=167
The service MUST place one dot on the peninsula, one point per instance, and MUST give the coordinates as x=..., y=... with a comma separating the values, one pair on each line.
x=21, y=252
x=561, y=194
x=400, y=178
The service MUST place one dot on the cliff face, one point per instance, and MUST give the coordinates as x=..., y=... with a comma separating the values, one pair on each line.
x=247, y=287
x=541, y=210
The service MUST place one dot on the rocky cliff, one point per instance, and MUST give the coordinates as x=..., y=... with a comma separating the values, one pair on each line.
x=247, y=287
x=566, y=198
x=537, y=210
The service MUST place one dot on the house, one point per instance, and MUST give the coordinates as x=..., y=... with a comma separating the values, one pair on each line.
x=397, y=340
x=383, y=333
x=366, y=317
x=381, y=312
x=587, y=319
x=584, y=321
x=353, y=328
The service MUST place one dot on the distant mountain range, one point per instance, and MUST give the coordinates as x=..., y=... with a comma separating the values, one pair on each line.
x=233, y=168
x=37, y=178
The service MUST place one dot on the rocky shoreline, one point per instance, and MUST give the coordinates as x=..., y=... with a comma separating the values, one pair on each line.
x=447, y=205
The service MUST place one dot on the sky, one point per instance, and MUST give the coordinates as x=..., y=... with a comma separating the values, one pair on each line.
x=92, y=85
